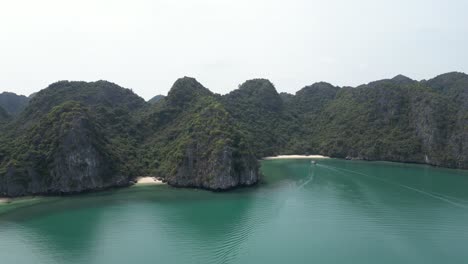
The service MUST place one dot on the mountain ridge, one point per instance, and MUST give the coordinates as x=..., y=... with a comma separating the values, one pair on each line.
x=81, y=136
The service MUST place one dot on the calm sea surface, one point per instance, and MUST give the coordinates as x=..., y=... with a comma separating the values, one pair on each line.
x=333, y=212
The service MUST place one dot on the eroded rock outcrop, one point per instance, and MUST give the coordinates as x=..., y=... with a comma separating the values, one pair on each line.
x=77, y=136
x=197, y=143
x=72, y=137
x=65, y=153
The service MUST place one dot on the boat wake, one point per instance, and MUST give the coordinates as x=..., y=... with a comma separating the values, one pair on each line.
x=433, y=195
x=311, y=178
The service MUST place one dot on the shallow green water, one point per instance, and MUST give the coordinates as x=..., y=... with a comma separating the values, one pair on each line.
x=334, y=212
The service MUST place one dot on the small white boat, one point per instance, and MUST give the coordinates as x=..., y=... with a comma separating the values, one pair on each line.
x=313, y=162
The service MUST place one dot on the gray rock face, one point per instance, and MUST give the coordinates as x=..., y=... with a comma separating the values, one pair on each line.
x=221, y=171
x=78, y=164
x=430, y=127
x=450, y=131
x=458, y=141
x=202, y=146
x=75, y=136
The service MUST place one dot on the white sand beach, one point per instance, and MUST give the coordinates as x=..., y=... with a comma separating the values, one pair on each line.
x=22, y=199
x=297, y=157
x=5, y=200
x=148, y=180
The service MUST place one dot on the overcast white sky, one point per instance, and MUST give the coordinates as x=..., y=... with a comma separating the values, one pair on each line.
x=147, y=44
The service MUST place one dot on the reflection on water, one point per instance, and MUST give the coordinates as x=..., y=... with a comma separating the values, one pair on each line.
x=333, y=212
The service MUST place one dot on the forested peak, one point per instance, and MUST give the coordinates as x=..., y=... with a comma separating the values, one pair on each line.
x=256, y=93
x=156, y=99
x=395, y=81
x=102, y=93
x=401, y=79
x=314, y=97
x=256, y=89
x=11, y=94
x=102, y=87
x=317, y=88
x=100, y=96
x=258, y=86
x=449, y=81
x=451, y=76
x=12, y=103
x=321, y=85
x=185, y=90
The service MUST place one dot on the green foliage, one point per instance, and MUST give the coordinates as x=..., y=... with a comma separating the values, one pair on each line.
x=190, y=122
x=4, y=116
x=12, y=103
x=100, y=111
x=156, y=99
x=397, y=120
x=260, y=114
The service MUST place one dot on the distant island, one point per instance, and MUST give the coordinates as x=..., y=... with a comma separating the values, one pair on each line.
x=75, y=137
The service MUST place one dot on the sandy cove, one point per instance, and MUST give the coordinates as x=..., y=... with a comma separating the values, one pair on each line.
x=9, y=200
x=148, y=180
x=5, y=200
x=297, y=157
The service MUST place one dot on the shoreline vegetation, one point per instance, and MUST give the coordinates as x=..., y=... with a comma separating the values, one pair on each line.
x=296, y=157
x=74, y=137
x=150, y=180
x=153, y=181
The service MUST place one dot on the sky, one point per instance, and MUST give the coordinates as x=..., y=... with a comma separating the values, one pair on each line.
x=146, y=45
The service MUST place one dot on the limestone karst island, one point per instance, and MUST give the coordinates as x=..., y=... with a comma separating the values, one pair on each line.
x=234, y=132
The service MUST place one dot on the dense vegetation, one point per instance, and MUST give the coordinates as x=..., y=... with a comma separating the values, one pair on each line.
x=71, y=129
x=397, y=119
x=76, y=136
x=260, y=113
x=12, y=103
x=191, y=140
x=4, y=116
x=156, y=99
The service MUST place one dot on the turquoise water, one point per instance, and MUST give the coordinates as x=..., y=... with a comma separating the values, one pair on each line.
x=333, y=212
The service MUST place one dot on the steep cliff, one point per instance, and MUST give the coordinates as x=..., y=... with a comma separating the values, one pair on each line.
x=195, y=142
x=396, y=119
x=72, y=137
x=79, y=136
x=453, y=87
x=64, y=152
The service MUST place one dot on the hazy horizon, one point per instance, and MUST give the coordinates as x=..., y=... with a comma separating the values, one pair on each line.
x=146, y=45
